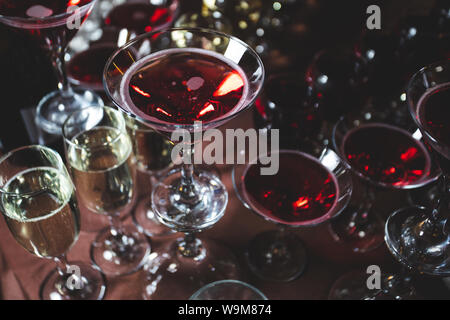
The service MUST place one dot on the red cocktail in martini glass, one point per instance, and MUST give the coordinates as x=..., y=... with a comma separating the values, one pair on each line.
x=168, y=80
x=52, y=24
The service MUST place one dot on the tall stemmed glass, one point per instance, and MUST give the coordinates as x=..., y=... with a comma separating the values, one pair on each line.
x=168, y=80
x=153, y=158
x=382, y=157
x=420, y=237
x=305, y=192
x=100, y=155
x=39, y=206
x=53, y=24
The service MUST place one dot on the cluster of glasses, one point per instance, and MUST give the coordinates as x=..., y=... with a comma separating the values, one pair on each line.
x=163, y=81
x=39, y=193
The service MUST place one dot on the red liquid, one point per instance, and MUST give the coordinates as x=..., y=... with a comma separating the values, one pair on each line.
x=50, y=31
x=183, y=86
x=140, y=17
x=434, y=115
x=386, y=154
x=87, y=66
x=22, y=8
x=303, y=190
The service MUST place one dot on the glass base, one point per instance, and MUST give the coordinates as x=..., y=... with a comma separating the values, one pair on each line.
x=54, y=108
x=276, y=256
x=93, y=288
x=417, y=242
x=194, y=216
x=172, y=276
x=353, y=286
x=146, y=221
x=120, y=254
x=361, y=231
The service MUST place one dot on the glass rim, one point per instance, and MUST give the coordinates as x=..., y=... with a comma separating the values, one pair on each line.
x=173, y=126
x=233, y=281
x=29, y=147
x=77, y=146
x=413, y=79
x=419, y=183
x=38, y=22
x=304, y=224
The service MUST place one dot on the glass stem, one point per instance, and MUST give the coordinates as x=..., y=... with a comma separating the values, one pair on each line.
x=68, y=273
x=190, y=246
x=115, y=223
x=57, y=57
x=187, y=186
x=62, y=265
x=441, y=210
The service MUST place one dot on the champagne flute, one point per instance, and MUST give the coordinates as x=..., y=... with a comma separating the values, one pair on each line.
x=37, y=199
x=153, y=156
x=99, y=152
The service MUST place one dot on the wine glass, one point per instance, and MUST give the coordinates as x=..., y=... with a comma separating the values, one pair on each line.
x=287, y=103
x=419, y=237
x=382, y=157
x=339, y=78
x=153, y=155
x=116, y=22
x=305, y=192
x=168, y=80
x=100, y=156
x=53, y=24
x=39, y=206
x=228, y=290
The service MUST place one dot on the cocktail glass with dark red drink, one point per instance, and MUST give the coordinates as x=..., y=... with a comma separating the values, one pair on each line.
x=52, y=24
x=420, y=237
x=381, y=157
x=305, y=192
x=168, y=80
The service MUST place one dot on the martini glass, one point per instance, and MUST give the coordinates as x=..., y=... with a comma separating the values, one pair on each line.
x=168, y=80
x=382, y=157
x=116, y=23
x=419, y=237
x=53, y=24
x=305, y=192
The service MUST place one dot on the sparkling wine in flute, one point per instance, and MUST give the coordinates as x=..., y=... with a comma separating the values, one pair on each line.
x=47, y=223
x=386, y=154
x=303, y=190
x=152, y=150
x=103, y=169
x=181, y=86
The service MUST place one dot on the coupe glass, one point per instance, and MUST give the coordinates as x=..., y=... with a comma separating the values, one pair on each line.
x=53, y=27
x=228, y=290
x=39, y=206
x=153, y=155
x=419, y=237
x=279, y=255
x=360, y=226
x=111, y=24
x=186, y=200
x=100, y=155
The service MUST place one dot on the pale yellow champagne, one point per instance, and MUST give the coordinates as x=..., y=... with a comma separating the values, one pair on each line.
x=41, y=211
x=103, y=169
